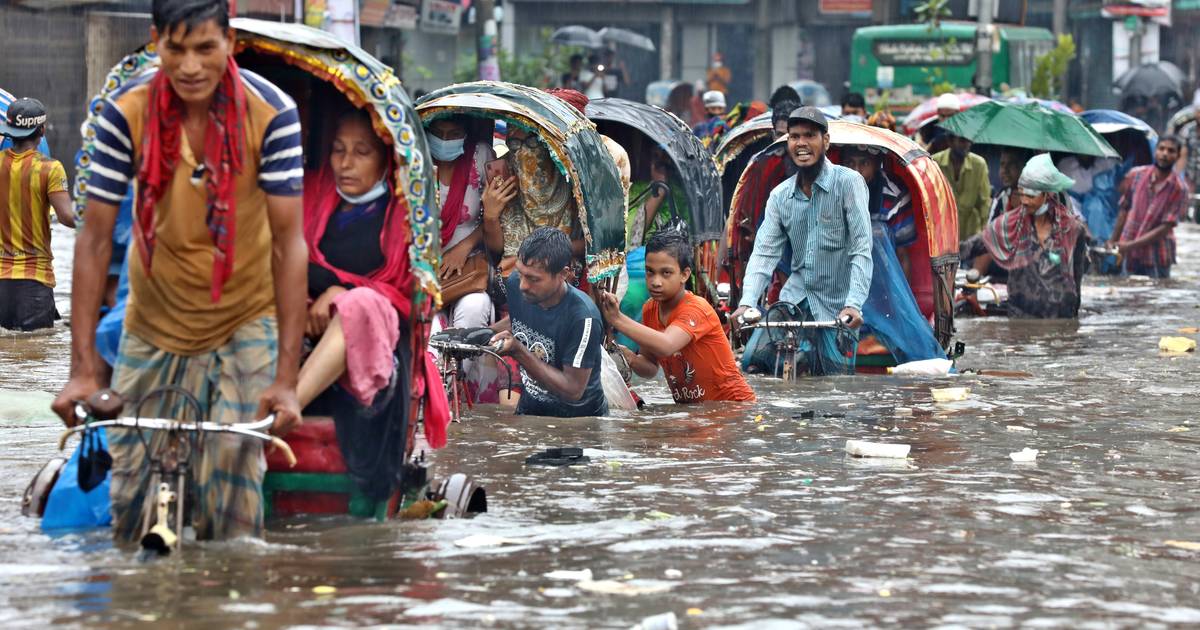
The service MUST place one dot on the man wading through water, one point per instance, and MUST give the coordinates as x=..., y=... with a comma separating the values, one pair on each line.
x=219, y=254
x=821, y=211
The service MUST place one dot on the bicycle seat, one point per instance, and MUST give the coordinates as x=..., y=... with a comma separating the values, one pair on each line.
x=468, y=336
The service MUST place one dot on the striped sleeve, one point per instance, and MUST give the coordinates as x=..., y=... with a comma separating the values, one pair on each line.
x=112, y=160
x=281, y=168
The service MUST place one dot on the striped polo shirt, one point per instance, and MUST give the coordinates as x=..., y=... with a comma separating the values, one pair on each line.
x=830, y=235
x=26, y=182
x=170, y=305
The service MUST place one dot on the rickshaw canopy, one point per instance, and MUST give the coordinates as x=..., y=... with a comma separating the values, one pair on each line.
x=575, y=146
x=733, y=143
x=693, y=163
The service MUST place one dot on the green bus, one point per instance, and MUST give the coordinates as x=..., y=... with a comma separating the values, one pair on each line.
x=906, y=60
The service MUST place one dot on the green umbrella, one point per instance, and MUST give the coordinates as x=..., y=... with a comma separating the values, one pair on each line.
x=1029, y=126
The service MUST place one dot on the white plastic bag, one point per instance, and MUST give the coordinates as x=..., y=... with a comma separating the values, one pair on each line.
x=615, y=390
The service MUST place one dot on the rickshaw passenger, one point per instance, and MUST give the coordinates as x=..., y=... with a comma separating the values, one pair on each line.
x=357, y=268
x=461, y=189
x=543, y=199
x=461, y=185
x=1042, y=246
x=648, y=202
x=890, y=203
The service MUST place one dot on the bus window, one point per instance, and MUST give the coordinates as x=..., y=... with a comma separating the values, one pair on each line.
x=1023, y=56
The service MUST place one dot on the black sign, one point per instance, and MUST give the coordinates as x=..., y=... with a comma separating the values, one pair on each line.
x=937, y=52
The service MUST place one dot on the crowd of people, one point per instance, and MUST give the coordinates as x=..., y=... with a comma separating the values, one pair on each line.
x=243, y=259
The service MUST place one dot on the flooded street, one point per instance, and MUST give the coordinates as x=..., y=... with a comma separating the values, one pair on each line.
x=727, y=515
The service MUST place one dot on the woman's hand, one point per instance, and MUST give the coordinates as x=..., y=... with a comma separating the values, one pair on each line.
x=321, y=311
x=497, y=195
x=453, y=261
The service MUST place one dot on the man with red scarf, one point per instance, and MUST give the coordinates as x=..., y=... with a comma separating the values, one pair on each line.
x=217, y=280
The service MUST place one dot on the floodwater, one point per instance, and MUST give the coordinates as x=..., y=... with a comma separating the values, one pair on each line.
x=729, y=516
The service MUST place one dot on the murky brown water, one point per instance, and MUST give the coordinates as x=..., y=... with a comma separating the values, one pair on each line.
x=737, y=523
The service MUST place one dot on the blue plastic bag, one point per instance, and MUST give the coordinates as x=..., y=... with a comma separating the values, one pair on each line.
x=69, y=507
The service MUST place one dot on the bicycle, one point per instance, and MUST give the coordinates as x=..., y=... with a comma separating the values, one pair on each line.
x=785, y=335
x=170, y=465
x=456, y=346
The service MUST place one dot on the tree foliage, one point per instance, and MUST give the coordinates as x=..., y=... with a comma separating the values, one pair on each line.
x=1050, y=68
x=932, y=12
x=540, y=70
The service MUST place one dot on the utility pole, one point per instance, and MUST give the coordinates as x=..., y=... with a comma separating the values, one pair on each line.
x=1136, y=27
x=1060, y=29
x=485, y=40
x=666, y=47
x=1060, y=17
x=983, y=48
x=762, y=50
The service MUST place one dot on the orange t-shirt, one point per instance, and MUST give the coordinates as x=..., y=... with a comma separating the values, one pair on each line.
x=705, y=369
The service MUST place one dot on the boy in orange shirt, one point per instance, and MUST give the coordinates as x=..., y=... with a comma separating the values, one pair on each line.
x=681, y=331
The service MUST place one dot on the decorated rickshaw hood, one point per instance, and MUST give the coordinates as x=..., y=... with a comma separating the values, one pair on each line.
x=694, y=164
x=575, y=146
x=733, y=143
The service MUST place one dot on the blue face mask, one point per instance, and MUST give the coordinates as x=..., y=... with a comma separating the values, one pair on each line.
x=378, y=190
x=1043, y=209
x=445, y=150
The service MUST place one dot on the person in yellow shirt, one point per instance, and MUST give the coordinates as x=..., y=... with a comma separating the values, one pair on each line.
x=968, y=177
x=31, y=185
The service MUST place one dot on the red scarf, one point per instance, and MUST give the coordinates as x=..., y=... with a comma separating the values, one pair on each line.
x=1011, y=238
x=224, y=142
x=393, y=280
x=452, y=209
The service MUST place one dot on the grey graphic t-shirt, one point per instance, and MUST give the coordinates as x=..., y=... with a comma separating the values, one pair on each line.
x=570, y=333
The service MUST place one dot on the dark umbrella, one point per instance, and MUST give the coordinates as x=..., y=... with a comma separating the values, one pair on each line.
x=577, y=36
x=1151, y=80
x=627, y=37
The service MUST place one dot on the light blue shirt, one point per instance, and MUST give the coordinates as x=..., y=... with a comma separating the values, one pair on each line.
x=830, y=235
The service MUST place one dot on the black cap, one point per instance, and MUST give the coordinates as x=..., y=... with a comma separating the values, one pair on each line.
x=810, y=114
x=25, y=115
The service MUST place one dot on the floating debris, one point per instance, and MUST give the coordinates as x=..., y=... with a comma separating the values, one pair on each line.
x=583, y=575
x=1024, y=455
x=1183, y=544
x=1176, y=345
x=614, y=587
x=859, y=448
x=950, y=394
x=476, y=541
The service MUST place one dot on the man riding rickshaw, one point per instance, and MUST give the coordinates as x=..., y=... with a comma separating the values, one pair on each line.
x=364, y=462
x=907, y=316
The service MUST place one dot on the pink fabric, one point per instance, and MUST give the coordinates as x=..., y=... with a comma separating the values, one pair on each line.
x=372, y=330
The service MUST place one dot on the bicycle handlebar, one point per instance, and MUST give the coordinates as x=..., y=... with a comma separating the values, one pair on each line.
x=248, y=429
x=831, y=323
